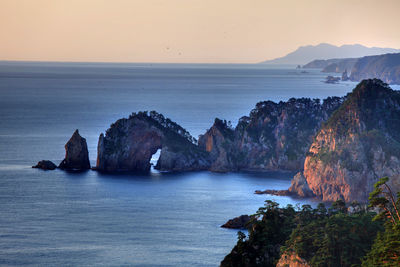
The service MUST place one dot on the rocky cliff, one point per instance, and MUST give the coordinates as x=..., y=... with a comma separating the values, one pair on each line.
x=341, y=66
x=219, y=141
x=357, y=145
x=76, y=154
x=129, y=144
x=337, y=65
x=385, y=67
x=276, y=136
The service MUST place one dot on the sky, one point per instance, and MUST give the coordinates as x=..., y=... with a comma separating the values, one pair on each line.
x=188, y=31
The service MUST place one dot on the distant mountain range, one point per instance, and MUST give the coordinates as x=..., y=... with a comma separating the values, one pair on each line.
x=305, y=54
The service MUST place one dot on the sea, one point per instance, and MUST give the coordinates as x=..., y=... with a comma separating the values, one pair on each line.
x=57, y=218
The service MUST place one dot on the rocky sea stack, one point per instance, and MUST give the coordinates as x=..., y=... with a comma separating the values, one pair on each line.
x=238, y=222
x=357, y=145
x=219, y=142
x=76, y=154
x=45, y=165
x=129, y=144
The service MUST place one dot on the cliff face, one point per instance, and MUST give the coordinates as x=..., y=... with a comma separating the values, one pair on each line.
x=219, y=142
x=76, y=154
x=385, y=67
x=129, y=144
x=337, y=65
x=357, y=145
x=341, y=65
x=276, y=136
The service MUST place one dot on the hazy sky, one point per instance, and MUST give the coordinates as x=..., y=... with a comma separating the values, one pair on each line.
x=188, y=30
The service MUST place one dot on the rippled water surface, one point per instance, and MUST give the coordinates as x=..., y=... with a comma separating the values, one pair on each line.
x=161, y=219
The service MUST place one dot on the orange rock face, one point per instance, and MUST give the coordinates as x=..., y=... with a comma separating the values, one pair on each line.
x=357, y=145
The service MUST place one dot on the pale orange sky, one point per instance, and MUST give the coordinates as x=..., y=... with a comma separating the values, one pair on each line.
x=188, y=30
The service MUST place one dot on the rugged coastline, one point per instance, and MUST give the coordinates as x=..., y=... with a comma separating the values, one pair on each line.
x=331, y=144
x=385, y=67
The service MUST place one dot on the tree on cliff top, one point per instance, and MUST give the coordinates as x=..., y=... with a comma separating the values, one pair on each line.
x=386, y=248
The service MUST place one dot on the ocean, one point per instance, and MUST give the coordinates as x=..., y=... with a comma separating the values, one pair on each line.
x=56, y=218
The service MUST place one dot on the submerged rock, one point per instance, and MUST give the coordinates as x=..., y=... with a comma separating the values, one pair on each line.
x=237, y=223
x=76, y=154
x=273, y=192
x=332, y=79
x=45, y=165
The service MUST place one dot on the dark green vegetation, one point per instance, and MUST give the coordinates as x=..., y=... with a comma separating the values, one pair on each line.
x=386, y=249
x=177, y=137
x=340, y=235
x=129, y=144
x=270, y=227
x=372, y=102
x=278, y=135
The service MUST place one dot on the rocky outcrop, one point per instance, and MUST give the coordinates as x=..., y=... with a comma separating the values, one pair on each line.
x=193, y=160
x=358, y=144
x=345, y=77
x=129, y=144
x=76, y=154
x=219, y=142
x=291, y=259
x=238, y=222
x=300, y=186
x=340, y=65
x=276, y=136
x=45, y=165
x=332, y=79
x=385, y=67
x=273, y=192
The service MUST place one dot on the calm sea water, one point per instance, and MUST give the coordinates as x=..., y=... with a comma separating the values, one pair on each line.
x=163, y=219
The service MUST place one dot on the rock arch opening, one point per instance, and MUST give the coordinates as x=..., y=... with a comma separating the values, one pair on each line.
x=154, y=160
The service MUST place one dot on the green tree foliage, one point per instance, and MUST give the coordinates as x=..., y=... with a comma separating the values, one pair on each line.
x=270, y=227
x=334, y=236
x=386, y=249
x=322, y=236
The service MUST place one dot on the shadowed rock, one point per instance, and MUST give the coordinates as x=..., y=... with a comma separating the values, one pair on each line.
x=237, y=223
x=45, y=165
x=129, y=144
x=218, y=141
x=76, y=154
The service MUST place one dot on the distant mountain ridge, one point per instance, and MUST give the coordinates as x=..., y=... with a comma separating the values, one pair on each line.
x=306, y=54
